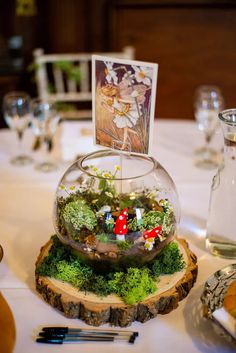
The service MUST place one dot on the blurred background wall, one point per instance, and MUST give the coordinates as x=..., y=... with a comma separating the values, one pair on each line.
x=193, y=41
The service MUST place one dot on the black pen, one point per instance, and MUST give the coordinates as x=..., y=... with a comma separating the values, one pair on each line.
x=54, y=335
x=75, y=339
x=61, y=329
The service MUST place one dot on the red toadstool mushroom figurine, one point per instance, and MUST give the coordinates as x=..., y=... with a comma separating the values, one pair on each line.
x=121, y=228
x=152, y=233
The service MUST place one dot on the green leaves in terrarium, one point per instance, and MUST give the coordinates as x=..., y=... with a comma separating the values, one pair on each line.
x=77, y=215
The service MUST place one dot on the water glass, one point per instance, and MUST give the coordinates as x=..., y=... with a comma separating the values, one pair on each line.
x=16, y=110
x=208, y=102
x=44, y=122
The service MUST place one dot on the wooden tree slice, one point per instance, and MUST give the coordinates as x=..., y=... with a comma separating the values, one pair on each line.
x=96, y=311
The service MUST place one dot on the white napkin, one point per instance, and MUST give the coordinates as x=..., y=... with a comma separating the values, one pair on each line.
x=226, y=320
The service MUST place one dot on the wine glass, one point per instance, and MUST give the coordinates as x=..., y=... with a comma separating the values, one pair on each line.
x=44, y=122
x=16, y=110
x=208, y=102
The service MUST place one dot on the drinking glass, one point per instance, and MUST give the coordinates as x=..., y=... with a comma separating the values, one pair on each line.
x=44, y=122
x=16, y=110
x=208, y=102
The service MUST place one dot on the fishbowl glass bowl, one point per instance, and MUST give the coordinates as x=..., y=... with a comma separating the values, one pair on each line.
x=115, y=209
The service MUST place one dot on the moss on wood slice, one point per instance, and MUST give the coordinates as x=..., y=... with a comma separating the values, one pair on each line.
x=96, y=311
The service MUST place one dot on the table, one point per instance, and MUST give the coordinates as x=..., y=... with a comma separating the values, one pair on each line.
x=26, y=206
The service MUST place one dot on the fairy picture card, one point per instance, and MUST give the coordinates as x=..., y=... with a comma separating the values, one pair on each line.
x=124, y=93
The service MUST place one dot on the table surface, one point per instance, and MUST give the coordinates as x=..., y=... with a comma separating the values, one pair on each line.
x=27, y=198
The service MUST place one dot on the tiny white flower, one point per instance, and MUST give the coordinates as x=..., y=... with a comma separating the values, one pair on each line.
x=72, y=187
x=149, y=244
x=109, y=221
x=99, y=214
x=132, y=196
x=109, y=194
x=106, y=175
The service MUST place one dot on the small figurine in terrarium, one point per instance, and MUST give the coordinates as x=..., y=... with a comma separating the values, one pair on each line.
x=116, y=210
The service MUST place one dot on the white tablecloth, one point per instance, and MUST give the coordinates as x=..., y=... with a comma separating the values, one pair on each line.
x=26, y=205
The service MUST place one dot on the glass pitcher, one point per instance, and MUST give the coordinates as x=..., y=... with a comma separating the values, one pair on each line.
x=221, y=225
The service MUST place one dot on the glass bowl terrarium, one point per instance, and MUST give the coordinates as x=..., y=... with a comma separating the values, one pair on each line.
x=116, y=210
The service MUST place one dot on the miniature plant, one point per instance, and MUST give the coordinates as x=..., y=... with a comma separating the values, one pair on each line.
x=106, y=183
x=149, y=220
x=79, y=215
x=103, y=238
x=124, y=245
x=152, y=219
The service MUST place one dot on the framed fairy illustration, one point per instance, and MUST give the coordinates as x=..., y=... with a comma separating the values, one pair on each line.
x=124, y=94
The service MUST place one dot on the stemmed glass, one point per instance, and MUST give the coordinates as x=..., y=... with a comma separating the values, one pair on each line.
x=208, y=102
x=44, y=122
x=16, y=110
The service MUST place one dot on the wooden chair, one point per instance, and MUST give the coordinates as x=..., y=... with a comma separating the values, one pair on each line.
x=54, y=82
